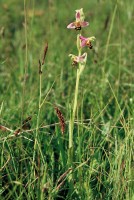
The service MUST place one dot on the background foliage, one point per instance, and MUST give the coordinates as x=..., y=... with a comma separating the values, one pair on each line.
x=103, y=138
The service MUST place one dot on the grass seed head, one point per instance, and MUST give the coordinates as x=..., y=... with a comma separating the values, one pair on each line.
x=61, y=119
x=40, y=68
x=45, y=52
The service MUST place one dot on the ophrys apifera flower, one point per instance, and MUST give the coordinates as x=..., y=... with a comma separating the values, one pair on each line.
x=78, y=59
x=79, y=22
x=86, y=41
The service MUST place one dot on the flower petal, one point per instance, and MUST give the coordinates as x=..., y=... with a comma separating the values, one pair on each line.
x=71, y=25
x=91, y=38
x=83, y=24
x=83, y=43
x=80, y=15
x=82, y=38
x=77, y=15
x=79, y=59
x=82, y=58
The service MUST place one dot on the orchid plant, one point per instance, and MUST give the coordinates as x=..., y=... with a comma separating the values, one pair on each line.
x=79, y=61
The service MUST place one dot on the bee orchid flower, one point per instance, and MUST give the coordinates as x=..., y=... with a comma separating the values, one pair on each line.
x=86, y=41
x=79, y=22
x=78, y=59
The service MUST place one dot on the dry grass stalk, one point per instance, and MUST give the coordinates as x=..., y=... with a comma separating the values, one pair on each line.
x=25, y=126
x=61, y=119
x=64, y=174
x=17, y=131
x=3, y=128
x=62, y=178
x=58, y=187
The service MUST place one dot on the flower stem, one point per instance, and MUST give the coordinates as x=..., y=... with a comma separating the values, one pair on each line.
x=74, y=110
x=72, y=117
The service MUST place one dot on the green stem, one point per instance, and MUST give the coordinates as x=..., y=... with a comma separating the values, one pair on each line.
x=74, y=110
x=36, y=143
x=37, y=124
x=38, y=116
x=72, y=117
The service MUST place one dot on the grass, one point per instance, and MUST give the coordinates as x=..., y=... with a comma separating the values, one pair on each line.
x=34, y=164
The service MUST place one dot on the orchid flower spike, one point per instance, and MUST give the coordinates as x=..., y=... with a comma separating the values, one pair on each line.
x=78, y=59
x=86, y=41
x=79, y=22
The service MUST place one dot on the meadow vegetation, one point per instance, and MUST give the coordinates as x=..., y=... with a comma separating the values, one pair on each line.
x=34, y=150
